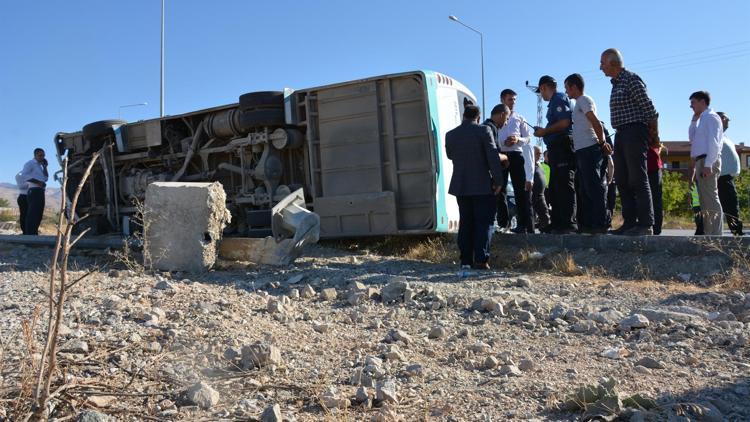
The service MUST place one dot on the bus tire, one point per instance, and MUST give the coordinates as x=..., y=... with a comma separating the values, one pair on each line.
x=250, y=119
x=101, y=128
x=262, y=100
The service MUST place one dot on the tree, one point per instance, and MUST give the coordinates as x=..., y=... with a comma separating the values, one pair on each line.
x=674, y=194
x=4, y=203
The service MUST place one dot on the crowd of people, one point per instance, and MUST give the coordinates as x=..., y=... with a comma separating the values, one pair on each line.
x=574, y=189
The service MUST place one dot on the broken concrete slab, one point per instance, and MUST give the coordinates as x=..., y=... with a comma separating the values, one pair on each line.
x=183, y=225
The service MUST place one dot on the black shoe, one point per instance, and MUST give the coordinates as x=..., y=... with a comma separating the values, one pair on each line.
x=481, y=266
x=519, y=230
x=621, y=230
x=568, y=230
x=639, y=231
x=595, y=230
x=545, y=229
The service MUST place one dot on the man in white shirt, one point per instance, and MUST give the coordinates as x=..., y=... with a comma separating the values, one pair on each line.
x=35, y=174
x=591, y=149
x=705, y=135
x=23, y=206
x=510, y=140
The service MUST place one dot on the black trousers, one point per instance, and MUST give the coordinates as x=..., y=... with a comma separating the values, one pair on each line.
x=562, y=182
x=35, y=210
x=611, y=202
x=503, y=213
x=538, y=201
x=518, y=180
x=698, y=218
x=729, y=204
x=475, y=227
x=23, y=207
x=631, y=144
x=654, y=182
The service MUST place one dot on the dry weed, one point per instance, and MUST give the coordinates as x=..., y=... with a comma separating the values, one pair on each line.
x=564, y=264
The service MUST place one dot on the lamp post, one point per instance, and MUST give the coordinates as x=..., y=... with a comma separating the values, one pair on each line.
x=161, y=65
x=119, y=109
x=481, y=47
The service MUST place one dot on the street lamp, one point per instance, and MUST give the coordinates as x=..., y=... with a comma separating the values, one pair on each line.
x=161, y=65
x=481, y=47
x=119, y=109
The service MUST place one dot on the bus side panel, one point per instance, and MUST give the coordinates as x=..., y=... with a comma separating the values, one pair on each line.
x=373, y=136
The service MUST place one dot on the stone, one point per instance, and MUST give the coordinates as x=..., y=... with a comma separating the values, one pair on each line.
x=661, y=315
x=101, y=401
x=394, y=290
x=525, y=316
x=614, y=353
x=320, y=327
x=558, y=312
x=585, y=326
x=357, y=298
x=510, y=370
x=385, y=391
x=414, y=370
x=526, y=365
x=275, y=307
x=651, y=363
x=202, y=395
x=92, y=416
x=295, y=279
x=332, y=399
x=609, y=317
x=259, y=355
x=362, y=395
x=393, y=353
x=75, y=346
x=490, y=362
x=328, y=294
x=272, y=414
x=399, y=335
x=633, y=321
x=185, y=224
x=523, y=282
x=642, y=370
x=307, y=292
x=164, y=285
x=437, y=333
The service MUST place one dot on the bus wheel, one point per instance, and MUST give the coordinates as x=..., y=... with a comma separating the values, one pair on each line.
x=262, y=100
x=101, y=128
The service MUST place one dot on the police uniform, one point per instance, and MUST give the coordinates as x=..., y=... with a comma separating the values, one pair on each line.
x=562, y=165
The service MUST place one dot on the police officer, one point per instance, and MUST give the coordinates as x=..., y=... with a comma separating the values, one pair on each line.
x=558, y=139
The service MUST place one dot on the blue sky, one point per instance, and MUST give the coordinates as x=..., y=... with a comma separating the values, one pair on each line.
x=65, y=64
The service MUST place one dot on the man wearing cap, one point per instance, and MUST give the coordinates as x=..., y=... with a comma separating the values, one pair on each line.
x=557, y=138
x=633, y=115
x=476, y=179
x=511, y=139
x=730, y=168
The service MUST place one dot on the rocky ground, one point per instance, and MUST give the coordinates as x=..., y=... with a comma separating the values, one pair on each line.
x=347, y=335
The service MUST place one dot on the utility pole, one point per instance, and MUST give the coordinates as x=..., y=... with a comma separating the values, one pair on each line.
x=161, y=65
x=533, y=89
x=481, y=52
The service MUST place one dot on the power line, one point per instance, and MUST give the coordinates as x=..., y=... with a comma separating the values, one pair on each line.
x=688, y=64
x=691, y=52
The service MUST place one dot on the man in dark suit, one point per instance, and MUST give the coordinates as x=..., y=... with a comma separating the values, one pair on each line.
x=476, y=180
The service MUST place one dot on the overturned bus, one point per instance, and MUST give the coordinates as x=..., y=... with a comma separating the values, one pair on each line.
x=369, y=155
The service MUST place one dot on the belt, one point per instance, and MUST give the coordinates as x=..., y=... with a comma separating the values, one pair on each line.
x=630, y=124
x=700, y=157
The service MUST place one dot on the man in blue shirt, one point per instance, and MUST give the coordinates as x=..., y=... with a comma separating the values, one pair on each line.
x=558, y=139
x=730, y=168
x=35, y=175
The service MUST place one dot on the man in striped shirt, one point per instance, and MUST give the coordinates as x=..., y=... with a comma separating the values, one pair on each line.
x=633, y=115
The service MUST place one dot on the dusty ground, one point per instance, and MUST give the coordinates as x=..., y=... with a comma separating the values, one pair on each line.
x=498, y=345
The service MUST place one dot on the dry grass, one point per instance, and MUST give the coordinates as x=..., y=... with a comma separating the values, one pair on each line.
x=564, y=264
x=439, y=249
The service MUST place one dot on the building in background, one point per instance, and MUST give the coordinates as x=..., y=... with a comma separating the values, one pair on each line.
x=676, y=156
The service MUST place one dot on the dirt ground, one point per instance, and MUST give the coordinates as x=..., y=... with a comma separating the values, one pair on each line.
x=388, y=330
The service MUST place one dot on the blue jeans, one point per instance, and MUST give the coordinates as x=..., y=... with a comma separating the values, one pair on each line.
x=591, y=179
x=476, y=214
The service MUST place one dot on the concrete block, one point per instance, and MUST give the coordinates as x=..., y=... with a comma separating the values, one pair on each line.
x=183, y=224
